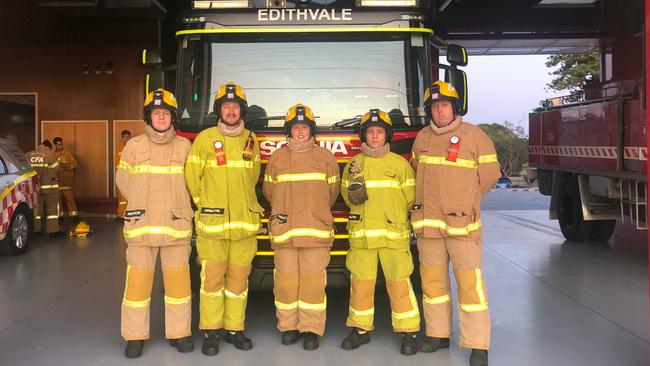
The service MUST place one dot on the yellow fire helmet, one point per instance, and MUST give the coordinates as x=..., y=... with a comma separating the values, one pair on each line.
x=82, y=229
x=230, y=92
x=160, y=98
x=376, y=117
x=440, y=90
x=299, y=113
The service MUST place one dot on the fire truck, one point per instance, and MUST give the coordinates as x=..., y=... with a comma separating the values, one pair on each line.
x=588, y=150
x=340, y=57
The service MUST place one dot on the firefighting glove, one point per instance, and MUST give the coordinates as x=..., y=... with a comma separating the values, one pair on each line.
x=357, y=193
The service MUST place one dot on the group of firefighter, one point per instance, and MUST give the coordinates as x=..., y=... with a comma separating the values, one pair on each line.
x=160, y=174
x=55, y=167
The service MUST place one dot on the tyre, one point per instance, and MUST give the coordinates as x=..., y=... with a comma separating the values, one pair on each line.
x=602, y=230
x=572, y=223
x=20, y=228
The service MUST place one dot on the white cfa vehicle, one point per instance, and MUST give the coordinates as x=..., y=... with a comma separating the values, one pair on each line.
x=19, y=197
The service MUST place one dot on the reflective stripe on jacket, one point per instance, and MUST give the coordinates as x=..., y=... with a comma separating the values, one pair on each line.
x=302, y=187
x=224, y=191
x=150, y=176
x=381, y=221
x=45, y=164
x=448, y=192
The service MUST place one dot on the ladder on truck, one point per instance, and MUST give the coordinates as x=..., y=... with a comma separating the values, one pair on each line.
x=634, y=202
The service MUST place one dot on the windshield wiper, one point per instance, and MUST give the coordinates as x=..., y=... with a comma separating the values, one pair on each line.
x=346, y=122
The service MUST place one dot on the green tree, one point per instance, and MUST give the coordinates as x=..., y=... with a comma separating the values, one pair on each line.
x=510, y=143
x=575, y=73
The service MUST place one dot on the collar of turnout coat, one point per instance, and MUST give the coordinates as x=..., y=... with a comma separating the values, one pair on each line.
x=231, y=131
x=375, y=152
x=295, y=146
x=450, y=127
x=160, y=138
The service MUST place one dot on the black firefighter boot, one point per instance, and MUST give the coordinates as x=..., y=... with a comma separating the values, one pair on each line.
x=211, y=342
x=290, y=337
x=357, y=338
x=310, y=342
x=239, y=340
x=479, y=357
x=432, y=344
x=409, y=345
x=183, y=345
x=133, y=349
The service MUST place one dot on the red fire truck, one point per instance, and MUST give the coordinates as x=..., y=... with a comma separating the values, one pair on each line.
x=340, y=57
x=588, y=150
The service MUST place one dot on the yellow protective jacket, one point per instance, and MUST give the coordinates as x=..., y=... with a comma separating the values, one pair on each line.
x=66, y=168
x=45, y=164
x=381, y=221
x=449, y=193
x=224, y=194
x=150, y=176
x=301, y=186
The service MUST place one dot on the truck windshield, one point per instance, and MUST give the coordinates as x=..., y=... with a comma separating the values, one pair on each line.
x=340, y=76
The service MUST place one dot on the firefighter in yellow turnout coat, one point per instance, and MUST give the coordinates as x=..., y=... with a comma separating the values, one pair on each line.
x=302, y=183
x=158, y=219
x=379, y=188
x=222, y=169
x=456, y=165
x=65, y=173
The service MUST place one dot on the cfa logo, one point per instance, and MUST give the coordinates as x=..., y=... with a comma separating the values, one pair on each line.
x=268, y=147
x=36, y=159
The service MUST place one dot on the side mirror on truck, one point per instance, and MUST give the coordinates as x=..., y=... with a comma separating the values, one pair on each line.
x=457, y=56
x=154, y=77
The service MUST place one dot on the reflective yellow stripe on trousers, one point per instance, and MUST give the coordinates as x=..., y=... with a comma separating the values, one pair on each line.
x=129, y=303
x=378, y=233
x=158, y=230
x=439, y=224
x=436, y=300
x=178, y=300
x=217, y=293
x=482, y=305
x=324, y=234
x=227, y=226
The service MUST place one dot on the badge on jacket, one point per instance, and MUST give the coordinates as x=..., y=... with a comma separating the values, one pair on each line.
x=219, y=153
x=452, y=153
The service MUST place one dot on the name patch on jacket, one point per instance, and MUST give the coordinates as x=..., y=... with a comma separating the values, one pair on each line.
x=216, y=211
x=353, y=217
x=129, y=214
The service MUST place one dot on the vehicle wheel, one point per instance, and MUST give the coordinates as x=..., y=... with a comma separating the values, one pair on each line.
x=602, y=230
x=20, y=228
x=572, y=223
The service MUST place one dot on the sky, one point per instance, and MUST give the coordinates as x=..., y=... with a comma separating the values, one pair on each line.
x=506, y=88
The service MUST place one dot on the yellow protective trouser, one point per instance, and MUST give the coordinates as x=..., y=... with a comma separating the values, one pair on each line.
x=121, y=205
x=299, y=282
x=48, y=210
x=473, y=316
x=397, y=266
x=225, y=266
x=141, y=263
x=70, y=206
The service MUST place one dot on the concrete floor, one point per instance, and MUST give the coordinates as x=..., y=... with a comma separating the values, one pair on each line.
x=552, y=303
